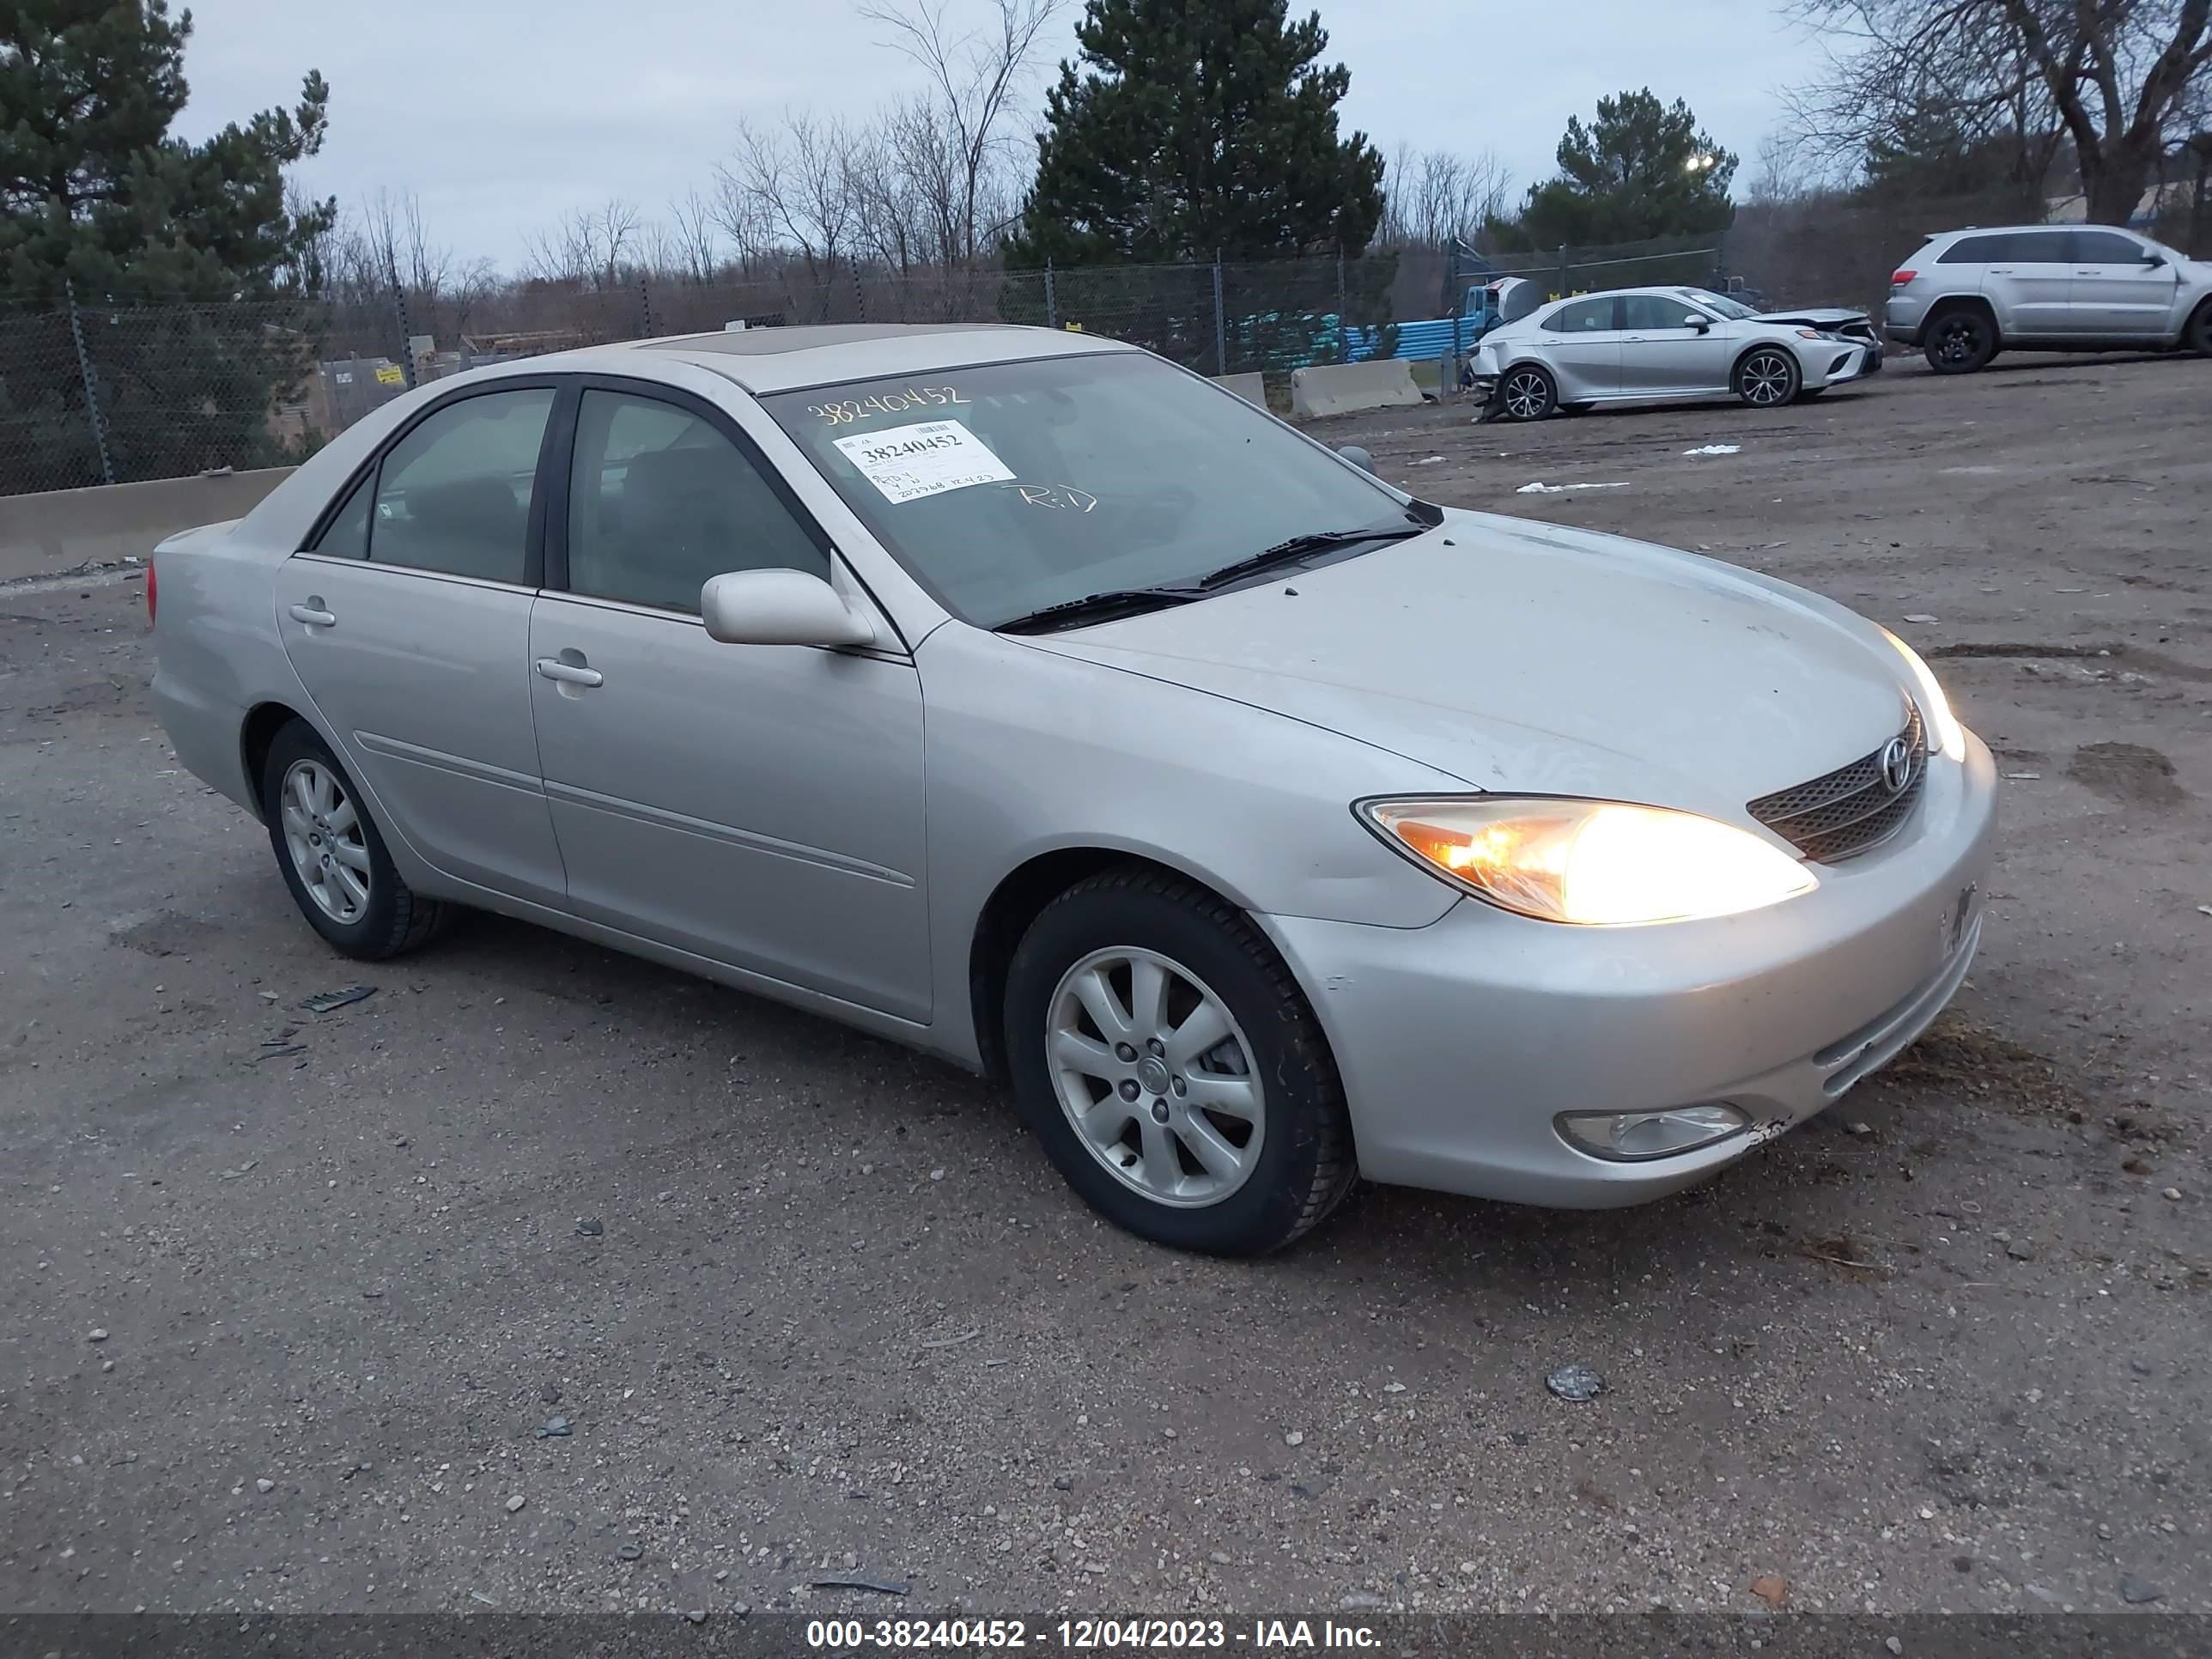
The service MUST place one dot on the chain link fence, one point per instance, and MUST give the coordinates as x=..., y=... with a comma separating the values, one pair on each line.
x=115, y=390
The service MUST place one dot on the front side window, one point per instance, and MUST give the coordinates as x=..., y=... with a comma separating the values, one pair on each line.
x=346, y=536
x=1650, y=314
x=659, y=501
x=1007, y=488
x=2106, y=247
x=454, y=495
x=1582, y=317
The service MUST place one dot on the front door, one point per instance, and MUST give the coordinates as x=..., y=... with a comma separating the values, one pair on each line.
x=1661, y=353
x=2116, y=295
x=408, y=622
x=758, y=805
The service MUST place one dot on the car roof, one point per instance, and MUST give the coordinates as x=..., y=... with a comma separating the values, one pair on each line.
x=784, y=359
x=2006, y=230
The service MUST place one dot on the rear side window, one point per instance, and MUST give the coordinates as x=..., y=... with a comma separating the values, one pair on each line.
x=2105, y=247
x=1582, y=317
x=454, y=495
x=2038, y=247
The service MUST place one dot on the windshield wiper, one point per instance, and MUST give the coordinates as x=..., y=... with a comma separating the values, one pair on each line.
x=1298, y=547
x=1101, y=607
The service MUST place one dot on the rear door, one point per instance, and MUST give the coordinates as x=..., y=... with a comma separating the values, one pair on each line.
x=1661, y=354
x=407, y=618
x=1582, y=342
x=759, y=806
x=2116, y=293
x=2030, y=282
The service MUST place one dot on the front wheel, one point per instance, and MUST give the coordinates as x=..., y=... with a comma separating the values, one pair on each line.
x=1169, y=1063
x=1767, y=378
x=2198, y=335
x=1527, y=393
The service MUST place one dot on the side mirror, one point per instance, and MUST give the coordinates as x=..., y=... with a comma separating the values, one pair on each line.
x=1699, y=321
x=2153, y=258
x=1359, y=457
x=779, y=607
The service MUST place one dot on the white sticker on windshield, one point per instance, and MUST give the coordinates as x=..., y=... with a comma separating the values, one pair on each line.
x=927, y=458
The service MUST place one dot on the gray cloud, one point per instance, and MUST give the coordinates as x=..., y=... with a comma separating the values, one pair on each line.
x=502, y=114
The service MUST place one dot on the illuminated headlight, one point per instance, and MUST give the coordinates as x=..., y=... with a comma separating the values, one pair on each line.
x=1632, y=1137
x=1594, y=862
x=1950, y=737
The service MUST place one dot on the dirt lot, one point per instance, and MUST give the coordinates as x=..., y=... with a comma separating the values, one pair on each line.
x=289, y=1299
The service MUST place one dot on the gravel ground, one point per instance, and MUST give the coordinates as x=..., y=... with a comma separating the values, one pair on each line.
x=545, y=1279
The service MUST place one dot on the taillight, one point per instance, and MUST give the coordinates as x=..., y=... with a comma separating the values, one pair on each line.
x=1899, y=278
x=153, y=596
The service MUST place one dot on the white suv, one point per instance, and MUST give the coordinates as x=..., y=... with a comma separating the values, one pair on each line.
x=1969, y=294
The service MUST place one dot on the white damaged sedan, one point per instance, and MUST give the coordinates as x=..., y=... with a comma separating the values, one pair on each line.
x=1018, y=696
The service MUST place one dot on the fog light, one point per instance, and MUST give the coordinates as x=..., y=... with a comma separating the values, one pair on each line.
x=1632, y=1137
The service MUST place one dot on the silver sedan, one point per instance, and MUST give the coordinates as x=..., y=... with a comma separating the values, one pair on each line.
x=1019, y=696
x=1658, y=345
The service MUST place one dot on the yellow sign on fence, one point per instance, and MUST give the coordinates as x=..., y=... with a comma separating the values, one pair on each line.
x=392, y=374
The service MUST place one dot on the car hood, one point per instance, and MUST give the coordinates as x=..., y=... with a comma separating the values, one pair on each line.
x=1530, y=658
x=1815, y=316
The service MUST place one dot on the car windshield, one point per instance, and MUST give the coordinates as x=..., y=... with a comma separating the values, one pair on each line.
x=1012, y=487
x=1735, y=310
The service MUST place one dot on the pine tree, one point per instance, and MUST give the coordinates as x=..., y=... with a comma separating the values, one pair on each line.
x=97, y=197
x=1642, y=168
x=1197, y=127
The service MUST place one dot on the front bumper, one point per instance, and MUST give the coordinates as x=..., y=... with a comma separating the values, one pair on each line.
x=1460, y=1043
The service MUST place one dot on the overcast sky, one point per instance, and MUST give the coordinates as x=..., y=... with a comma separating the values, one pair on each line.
x=502, y=114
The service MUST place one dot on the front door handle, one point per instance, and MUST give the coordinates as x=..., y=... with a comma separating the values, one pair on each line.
x=313, y=615
x=568, y=673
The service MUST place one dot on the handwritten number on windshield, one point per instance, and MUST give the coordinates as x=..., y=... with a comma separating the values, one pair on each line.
x=846, y=411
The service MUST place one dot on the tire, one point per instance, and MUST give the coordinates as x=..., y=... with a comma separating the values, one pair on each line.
x=1279, y=1158
x=358, y=902
x=2197, y=336
x=1527, y=392
x=1767, y=377
x=1960, y=341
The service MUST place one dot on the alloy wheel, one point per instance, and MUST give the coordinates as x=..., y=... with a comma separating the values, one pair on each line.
x=1766, y=379
x=1526, y=394
x=1155, y=1076
x=323, y=834
x=1957, y=338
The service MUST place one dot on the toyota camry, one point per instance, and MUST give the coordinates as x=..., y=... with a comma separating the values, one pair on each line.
x=1020, y=696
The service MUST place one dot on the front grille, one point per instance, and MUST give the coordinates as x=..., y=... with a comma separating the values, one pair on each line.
x=1850, y=809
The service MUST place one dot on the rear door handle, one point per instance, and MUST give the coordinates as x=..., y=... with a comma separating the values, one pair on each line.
x=568, y=673
x=313, y=615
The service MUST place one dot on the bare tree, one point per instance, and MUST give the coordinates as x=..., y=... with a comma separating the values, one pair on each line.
x=974, y=79
x=696, y=243
x=2112, y=75
x=792, y=189
x=588, y=249
x=1430, y=198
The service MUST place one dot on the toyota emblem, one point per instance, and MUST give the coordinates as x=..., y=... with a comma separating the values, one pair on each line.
x=1897, y=765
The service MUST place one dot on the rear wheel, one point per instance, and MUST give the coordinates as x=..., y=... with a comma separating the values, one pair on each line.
x=1527, y=393
x=1170, y=1065
x=1961, y=342
x=332, y=855
x=1767, y=377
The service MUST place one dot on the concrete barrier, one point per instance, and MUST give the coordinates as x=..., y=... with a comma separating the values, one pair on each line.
x=1252, y=388
x=62, y=529
x=1341, y=388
